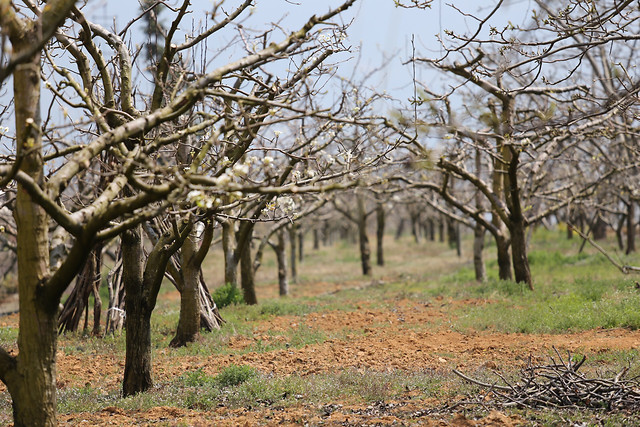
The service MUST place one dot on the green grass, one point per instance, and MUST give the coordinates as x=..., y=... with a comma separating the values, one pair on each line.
x=243, y=386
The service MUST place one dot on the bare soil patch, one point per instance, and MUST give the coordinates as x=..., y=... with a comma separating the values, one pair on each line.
x=405, y=336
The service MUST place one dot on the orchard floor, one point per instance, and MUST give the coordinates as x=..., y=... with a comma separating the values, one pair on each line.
x=408, y=337
x=402, y=334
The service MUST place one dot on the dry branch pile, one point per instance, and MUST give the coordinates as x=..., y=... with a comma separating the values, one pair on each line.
x=559, y=385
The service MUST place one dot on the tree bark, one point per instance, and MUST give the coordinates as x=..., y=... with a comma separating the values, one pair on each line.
x=293, y=244
x=504, y=259
x=631, y=241
x=247, y=277
x=599, y=229
x=189, y=323
x=32, y=381
x=137, y=370
x=432, y=229
x=478, y=246
x=415, y=227
x=400, y=229
x=229, y=250
x=281, y=257
x=87, y=282
x=316, y=238
x=142, y=283
x=380, y=223
x=300, y=245
x=365, y=251
x=519, y=254
x=618, y=230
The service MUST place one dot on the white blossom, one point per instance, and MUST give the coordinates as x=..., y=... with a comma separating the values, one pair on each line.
x=194, y=194
x=286, y=204
x=241, y=169
x=223, y=180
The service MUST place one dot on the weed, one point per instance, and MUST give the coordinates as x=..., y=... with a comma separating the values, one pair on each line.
x=227, y=294
x=234, y=375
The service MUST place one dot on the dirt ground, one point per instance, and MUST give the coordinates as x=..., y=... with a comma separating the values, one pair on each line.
x=410, y=337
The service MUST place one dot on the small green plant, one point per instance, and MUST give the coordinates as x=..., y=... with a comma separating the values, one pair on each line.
x=227, y=294
x=234, y=375
x=197, y=378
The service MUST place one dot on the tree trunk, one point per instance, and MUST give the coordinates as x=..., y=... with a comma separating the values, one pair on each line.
x=189, y=322
x=365, y=251
x=441, y=230
x=631, y=241
x=142, y=283
x=519, y=254
x=246, y=276
x=432, y=229
x=504, y=259
x=400, y=229
x=229, y=250
x=316, y=238
x=478, y=246
x=31, y=381
x=326, y=233
x=415, y=227
x=599, y=229
x=380, y=223
x=137, y=369
x=115, y=312
x=618, y=230
x=300, y=244
x=87, y=282
x=281, y=257
x=293, y=244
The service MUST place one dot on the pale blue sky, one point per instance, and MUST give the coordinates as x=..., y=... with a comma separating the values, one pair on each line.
x=383, y=30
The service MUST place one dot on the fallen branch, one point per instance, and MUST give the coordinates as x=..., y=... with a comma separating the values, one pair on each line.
x=625, y=269
x=559, y=385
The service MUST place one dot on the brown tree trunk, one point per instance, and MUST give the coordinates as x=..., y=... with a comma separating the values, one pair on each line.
x=618, y=230
x=504, y=259
x=293, y=244
x=229, y=250
x=87, y=282
x=380, y=223
x=142, y=283
x=316, y=238
x=246, y=276
x=432, y=229
x=137, y=369
x=300, y=244
x=599, y=229
x=415, y=227
x=32, y=379
x=478, y=247
x=400, y=229
x=631, y=227
x=189, y=323
x=365, y=251
x=519, y=254
x=281, y=257
x=441, y=230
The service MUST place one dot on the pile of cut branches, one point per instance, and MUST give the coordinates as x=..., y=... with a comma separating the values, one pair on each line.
x=559, y=385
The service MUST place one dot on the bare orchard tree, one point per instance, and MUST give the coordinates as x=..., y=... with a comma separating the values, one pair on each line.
x=526, y=109
x=96, y=114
